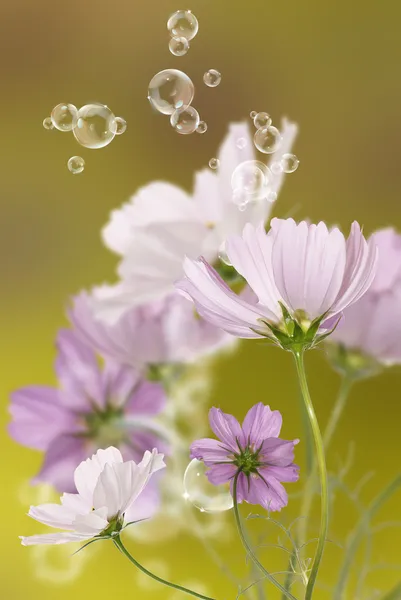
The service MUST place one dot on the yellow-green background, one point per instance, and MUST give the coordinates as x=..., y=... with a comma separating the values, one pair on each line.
x=334, y=67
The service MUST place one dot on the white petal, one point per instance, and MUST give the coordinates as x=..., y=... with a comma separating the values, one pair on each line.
x=54, y=538
x=92, y=523
x=53, y=515
x=88, y=472
x=107, y=492
x=289, y=133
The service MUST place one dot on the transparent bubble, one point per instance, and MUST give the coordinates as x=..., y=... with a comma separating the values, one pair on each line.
x=289, y=163
x=121, y=125
x=170, y=90
x=249, y=181
x=202, y=127
x=96, y=126
x=223, y=255
x=76, y=164
x=214, y=163
x=201, y=493
x=267, y=139
x=271, y=196
x=183, y=24
x=276, y=168
x=178, y=46
x=262, y=119
x=212, y=78
x=186, y=120
x=253, y=114
x=241, y=143
x=48, y=123
x=64, y=117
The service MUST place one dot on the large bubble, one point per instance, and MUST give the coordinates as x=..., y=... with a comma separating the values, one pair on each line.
x=96, y=126
x=201, y=493
x=183, y=24
x=170, y=90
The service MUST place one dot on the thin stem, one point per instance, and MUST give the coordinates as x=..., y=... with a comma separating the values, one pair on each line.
x=309, y=446
x=118, y=543
x=248, y=548
x=331, y=426
x=322, y=471
x=358, y=533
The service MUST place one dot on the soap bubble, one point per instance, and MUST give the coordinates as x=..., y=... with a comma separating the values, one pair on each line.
x=76, y=164
x=241, y=143
x=202, y=127
x=276, y=168
x=250, y=181
x=262, y=119
x=253, y=114
x=48, y=123
x=271, y=196
x=289, y=163
x=179, y=46
x=185, y=120
x=212, y=78
x=214, y=163
x=64, y=117
x=121, y=125
x=170, y=90
x=183, y=24
x=267, y=139
x=96, y=126
x=201, y=493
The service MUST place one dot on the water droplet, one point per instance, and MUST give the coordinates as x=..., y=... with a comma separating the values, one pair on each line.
x=64, y=117
x=289, y=163
x=223, y=255
x=271, y=197
x=214, y=163
x=76, y=164
x=202, y=494
x=170, y=90
x=178, y=46
x=121, y=125
x=185, y=120
x=253, y=114
x=202, y=127
x=262, y=119
x=241, y=143
x=276, y=168
x=48, y=123
x=250, y=181
x=183, y=24
x=267, y=139
x=96, y=126
x=212, y=78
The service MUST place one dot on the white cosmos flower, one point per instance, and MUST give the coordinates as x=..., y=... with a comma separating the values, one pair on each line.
x=107, y=487
x=161, y=224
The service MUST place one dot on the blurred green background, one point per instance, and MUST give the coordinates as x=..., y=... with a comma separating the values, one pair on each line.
x=333, y=68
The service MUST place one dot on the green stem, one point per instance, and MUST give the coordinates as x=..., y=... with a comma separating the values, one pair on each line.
x=322, y=471
x=309, y=446
x=394, y=594
x=118, y=543
x=248, y=548
x=357, y=535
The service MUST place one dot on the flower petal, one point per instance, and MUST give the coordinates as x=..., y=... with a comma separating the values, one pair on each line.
x=88, y=472
x=219, y=474
x=210, y=451
x=226, y=428
x=261, y=423
x=54, y=538
x=277, y=452
x=61, y=460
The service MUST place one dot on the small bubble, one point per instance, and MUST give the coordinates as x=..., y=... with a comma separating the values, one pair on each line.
x=289, y=163
x=276, y=168
x=249, y=181
x=121, y=125
x=262, y=119
x=64, y=117
x=76, y=164
x=185, y=120
x=223, y=255
x=271, y=197
x=253, y=114
x=179, y=46
x=241, y=143
x=267, y=139
x=206, y=497
x=202, y=127
x=212, y=78
x=214, y=163
x=170, y=90
x=48, y=123
x=183, y=24
x=96, y=126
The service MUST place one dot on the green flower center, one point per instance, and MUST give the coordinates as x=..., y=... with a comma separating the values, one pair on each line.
x=248, y=460
x=105, y=426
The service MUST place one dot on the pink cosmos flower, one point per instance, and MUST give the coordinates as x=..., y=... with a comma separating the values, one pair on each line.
x=262, y=459
x=372, y=326
x=92, y=408
x=107, y=489
x=310, y=271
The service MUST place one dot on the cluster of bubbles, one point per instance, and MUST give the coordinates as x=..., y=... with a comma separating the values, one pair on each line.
x=93, y=126
x=182, y=27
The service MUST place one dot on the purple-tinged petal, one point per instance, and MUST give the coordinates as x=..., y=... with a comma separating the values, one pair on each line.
x=226, y=428
x=64, y=455
x=277, y=452
x=242, y=487
x=148, y=502
x=261, y=423
x=210, y=451
x=147, y=399
x=266, y=492
x=286, y=474
x=219, y=474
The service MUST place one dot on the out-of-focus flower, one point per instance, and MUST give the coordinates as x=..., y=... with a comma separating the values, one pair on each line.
x=107, y=487
x=162, y=224
x=92, y=408
x=255, y=451
x=301, y=274
x=371, y=328
x=163, y=332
